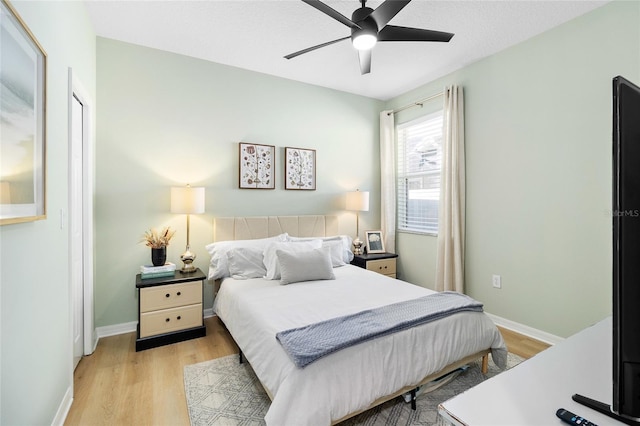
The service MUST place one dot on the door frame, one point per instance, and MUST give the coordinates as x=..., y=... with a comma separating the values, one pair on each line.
x=88, y=184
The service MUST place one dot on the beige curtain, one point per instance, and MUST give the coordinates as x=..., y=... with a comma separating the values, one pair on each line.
x=451, y=220
x=388, y=180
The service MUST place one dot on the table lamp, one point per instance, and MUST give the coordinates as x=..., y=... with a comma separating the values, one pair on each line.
x=358, y=201
x=187, y=200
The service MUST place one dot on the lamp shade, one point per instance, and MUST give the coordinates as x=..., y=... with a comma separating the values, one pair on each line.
x=185, y=199
x=5, y=192
x=358, y=201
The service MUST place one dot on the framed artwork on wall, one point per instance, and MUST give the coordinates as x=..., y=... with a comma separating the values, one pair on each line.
x=300, y=168
x=257, y=166
x=22, y=113
x=374, y=241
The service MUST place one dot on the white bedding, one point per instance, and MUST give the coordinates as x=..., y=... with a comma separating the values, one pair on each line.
x=349, y=380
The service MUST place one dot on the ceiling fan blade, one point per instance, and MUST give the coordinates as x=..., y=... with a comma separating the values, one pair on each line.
x=365, y=61
x=309, y=49
x=386, y=11
x=332, y=13
x=393, y=33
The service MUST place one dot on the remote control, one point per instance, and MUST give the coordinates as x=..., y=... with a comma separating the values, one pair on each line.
x=572, y=419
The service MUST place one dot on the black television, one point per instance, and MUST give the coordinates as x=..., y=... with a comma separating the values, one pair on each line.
x=626, y=256
x=626, y=249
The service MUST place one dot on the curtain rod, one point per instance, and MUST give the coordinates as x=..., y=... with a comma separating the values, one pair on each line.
x=416, y=103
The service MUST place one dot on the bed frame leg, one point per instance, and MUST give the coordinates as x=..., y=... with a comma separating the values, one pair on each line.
x=413, y=399
x=485, y=364
x=240, y=357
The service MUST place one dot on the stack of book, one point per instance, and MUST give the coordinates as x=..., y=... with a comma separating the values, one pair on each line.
x=150, y=271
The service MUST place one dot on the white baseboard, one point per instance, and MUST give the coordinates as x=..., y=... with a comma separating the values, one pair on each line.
x=534, y=333
x=114, y=330
x=128, y=327
x=64, y=408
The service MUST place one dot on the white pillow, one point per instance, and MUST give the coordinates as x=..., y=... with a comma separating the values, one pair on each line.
x=219, y=265
x=336, y=252
x=270, y=259
x=308, y=265
x=246, y=262
x=346, y=243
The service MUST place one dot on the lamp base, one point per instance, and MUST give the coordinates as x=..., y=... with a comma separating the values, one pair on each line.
x=187, y=258
x=357, y=246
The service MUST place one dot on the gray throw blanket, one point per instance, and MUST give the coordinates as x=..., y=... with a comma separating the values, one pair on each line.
x=310, y=343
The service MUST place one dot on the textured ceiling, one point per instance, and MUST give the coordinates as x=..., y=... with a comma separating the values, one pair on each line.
x=255, y=35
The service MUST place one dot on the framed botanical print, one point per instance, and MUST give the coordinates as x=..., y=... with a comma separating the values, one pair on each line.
x=374, y=241
x=257, y=166
x=300, y=168
x=22, y=121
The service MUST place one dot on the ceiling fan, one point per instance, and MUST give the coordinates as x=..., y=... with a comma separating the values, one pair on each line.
x=369, y=26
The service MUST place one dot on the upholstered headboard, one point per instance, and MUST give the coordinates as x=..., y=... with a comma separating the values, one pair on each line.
x=247, y=228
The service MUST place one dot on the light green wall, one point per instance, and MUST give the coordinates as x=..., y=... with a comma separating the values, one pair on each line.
x=35, y=321
x=538, y=177
x=538, y=150
x=167, y=120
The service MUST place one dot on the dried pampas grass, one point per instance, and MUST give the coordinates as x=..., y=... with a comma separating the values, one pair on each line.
x=154, y=239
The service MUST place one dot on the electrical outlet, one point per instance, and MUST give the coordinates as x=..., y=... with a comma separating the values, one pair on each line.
x=497, y=281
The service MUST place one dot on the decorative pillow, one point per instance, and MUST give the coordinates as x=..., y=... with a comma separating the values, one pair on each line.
x=246, y=262
x=346, y=243
x=219, y=265
x=270, y=259
x=308, y=265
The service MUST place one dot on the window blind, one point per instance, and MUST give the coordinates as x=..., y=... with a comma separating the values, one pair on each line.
x=418, y=171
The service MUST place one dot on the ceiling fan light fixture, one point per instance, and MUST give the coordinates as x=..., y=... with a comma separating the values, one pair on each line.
x=364, y=41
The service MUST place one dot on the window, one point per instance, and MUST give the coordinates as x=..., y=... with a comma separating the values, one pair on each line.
x=419, y=158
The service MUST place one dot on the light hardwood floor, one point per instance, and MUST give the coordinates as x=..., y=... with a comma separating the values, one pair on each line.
x=523, y=346
x=118, y=386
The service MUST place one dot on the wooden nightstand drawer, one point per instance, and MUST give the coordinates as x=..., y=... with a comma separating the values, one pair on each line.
x=173, y=319
x=382, y=266
x=169, y=296
x=382, y=263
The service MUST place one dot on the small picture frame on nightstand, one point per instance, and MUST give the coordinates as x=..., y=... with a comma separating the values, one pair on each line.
x=374, y=241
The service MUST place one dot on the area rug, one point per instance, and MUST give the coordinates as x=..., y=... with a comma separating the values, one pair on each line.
x=224, y=392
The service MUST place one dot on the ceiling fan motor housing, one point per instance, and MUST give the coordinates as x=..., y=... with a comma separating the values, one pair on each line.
x=361, y=16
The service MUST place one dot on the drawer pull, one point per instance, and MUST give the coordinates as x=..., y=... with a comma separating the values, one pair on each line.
x=179, y=293
x=167, y=295
x=167, y=320
x=179, y=317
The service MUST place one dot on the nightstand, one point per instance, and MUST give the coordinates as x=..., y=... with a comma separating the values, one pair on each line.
x=169, y=309
x=382, y=263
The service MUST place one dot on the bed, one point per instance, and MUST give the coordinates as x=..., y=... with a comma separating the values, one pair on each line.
x=350, y=380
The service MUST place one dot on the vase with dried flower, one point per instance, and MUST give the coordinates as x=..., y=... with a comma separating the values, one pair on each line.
x=158, y=241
